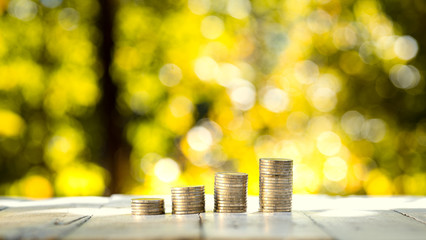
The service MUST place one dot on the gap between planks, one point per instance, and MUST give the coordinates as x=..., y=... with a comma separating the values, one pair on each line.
x=409, y=216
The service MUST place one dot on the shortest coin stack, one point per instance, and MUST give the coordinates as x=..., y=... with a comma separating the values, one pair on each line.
x=230, y=192
x=188, y=200
x=147, y=206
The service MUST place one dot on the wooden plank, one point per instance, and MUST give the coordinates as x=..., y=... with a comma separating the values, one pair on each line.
x=293, y=225
x=418, y=214
x=114, y=221
x=314, y=217
x=51, y=218
x=255, y=225
x=415, y=209
x=367, y=224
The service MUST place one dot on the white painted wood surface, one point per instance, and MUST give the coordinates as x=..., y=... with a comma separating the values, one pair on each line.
x=313, y=217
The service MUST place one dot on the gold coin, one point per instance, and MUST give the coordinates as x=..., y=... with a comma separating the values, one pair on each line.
x=274, y=197
x=194, y=200
x=276, y=208
x=147, y=204
x=274, y=211
x=274, y=202
x=271, y=169
x=275, y=177
x=276, y=160
x=235, y=187
x=223, y=186
x=188, y=201
x=230, y=207
x=186, y=212
x=288, y=189
x=234, y=193
x=275, y=174
x=231, y=175
x=276, y=183
x=188, y=195
x=275, y=163
x=231, y=184
x=184, y=188
x=187, y=208
x=141, y=214
x=229, y=211
x=147, y=200
x=218, y=199
x=227, y=182
x=230, y=203
x=147, y=207
x=230, y=190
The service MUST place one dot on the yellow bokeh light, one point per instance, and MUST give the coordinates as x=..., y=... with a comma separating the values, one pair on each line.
x=239, y=8
x=406, y=47
x=378, y=183
x=80, y=179
x=199, y=7
x=329, y=143
x=64, y=147
x=212, y=27
x=199, y=138
x=335, y=168
x=170, y=75
x=36, y=186
x=206, y=68
x=11, y=124
x=167, y=170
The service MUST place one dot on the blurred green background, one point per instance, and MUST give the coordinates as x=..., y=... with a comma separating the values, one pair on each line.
x=121, y=96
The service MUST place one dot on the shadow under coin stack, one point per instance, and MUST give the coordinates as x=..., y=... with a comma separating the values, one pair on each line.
x=275, y=184
x=147, y=206
x=230, y=192
x=188, y=200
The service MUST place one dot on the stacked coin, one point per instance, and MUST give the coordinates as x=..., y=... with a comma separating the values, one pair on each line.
x=275, y=184
x=188, y=200
x=230, y=192
x=147, y=206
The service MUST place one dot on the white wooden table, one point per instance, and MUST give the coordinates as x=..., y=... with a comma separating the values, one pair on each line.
x=313, y=217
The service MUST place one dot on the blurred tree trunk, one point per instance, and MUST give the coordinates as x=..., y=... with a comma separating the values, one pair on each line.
x=115, y=148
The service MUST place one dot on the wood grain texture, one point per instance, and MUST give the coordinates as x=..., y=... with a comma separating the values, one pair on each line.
x=294, y=225
x=368, y=224
x=114, y=221
x=52, y=218
x=415, y=209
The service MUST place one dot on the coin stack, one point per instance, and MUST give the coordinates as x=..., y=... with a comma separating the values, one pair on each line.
x=147, y=206
x=188, y=200
x=230, y=192
x=275, y=184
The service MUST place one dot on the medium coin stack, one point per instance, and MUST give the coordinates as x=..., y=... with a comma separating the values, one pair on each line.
x=230, y=192
x=275, y=184
x=147, y=206
x=188, y=200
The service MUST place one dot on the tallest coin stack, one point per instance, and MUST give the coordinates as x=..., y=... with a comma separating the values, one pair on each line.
x=275, y=184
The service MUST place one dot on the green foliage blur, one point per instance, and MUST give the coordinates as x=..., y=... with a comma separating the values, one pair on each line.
x=202, y=86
